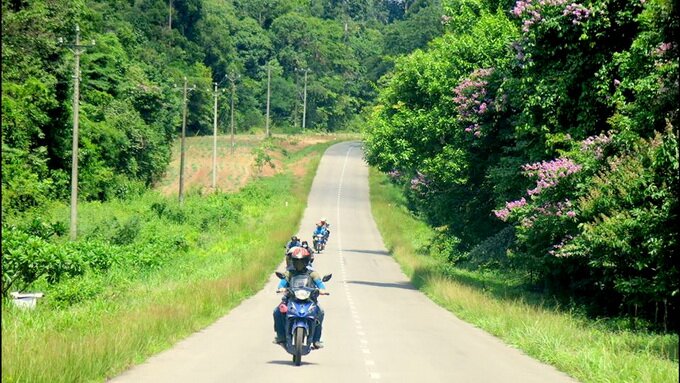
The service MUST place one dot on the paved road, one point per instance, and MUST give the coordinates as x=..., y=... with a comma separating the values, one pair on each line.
x=378, y=328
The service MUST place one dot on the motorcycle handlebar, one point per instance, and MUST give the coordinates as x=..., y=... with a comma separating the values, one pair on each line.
x=283, y=291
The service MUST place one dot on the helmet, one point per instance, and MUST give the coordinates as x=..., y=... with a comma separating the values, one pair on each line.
x=323, y=219
x=300, y=264
x=294, y=238
x=305, y=244
x=299, y=258
x=298, y=252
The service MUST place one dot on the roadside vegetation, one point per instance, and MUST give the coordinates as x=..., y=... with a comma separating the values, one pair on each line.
x=541, y=138
x=589, y=350
x=145, y=273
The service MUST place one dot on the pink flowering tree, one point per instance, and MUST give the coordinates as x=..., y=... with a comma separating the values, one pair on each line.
x=547, y=217
x=473, y=100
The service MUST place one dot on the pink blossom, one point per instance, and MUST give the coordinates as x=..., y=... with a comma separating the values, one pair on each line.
x=596, y=144
x=420, y=180
x=502, y=214
x=549, y=172
x=558, y=250
x=470, y=97
x=663, y=49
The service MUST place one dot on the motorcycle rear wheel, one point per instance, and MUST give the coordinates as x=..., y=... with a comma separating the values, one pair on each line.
x=299, y=339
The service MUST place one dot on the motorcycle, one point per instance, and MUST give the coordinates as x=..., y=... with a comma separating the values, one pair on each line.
x=302, y=311
x=319, y=243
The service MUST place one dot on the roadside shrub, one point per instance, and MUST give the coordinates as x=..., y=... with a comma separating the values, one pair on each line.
x=492, y=252
x=98, y=255
x=75, y=290
x=27, y=258
x=39, y=228
x=128, y=232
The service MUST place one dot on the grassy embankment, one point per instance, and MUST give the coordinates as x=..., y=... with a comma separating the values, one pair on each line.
x=586, y=350
x=199, y=261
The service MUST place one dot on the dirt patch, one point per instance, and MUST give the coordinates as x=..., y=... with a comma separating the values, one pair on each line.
x=234, y=169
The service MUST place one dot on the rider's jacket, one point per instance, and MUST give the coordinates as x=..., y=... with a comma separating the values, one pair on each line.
x=320, y=230
x=316, y=277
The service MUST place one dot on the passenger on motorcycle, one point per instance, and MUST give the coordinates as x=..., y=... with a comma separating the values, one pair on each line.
x=327, y=226
x=305, y=245
x=299, y=261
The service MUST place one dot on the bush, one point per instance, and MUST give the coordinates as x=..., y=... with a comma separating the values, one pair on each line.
x=128, y=232
x=27, y=258
x=75, y=290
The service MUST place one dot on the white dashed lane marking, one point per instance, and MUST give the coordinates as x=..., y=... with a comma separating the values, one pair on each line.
x=370, y=364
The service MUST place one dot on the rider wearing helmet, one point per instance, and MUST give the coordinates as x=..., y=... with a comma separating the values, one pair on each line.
x=294, y=242
x=300, y=260
x=305, y=245
x=326, y=226
x=320, y=230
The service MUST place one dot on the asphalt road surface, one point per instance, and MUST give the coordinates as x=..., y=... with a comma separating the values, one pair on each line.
x=378, y=327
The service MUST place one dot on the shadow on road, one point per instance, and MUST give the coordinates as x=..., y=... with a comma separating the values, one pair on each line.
x=378, y=252
x=400, y=285
x=288, y=363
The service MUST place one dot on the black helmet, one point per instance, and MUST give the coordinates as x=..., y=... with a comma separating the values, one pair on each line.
x=294, y=238
x=300, y=264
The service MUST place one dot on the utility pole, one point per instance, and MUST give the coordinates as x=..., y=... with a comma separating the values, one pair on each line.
x=232, y=77
x=304, y=102
x=169, y=15
x=269, y=80
x=304, y=97
x=78, y=49
x=214, y=164
x=182, y=147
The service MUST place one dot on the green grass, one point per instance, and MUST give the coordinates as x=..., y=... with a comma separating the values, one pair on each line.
x=133, y=314
x=589, y=351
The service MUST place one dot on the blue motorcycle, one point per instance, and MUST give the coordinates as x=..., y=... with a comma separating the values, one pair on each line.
x=319, y=243
x=302, y=310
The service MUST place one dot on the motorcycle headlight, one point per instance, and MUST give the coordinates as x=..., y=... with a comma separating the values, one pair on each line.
x=302, y=295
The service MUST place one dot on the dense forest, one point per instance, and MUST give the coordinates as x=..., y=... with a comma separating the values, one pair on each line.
x=537, y=136
x=132, y=78
x=540, y=137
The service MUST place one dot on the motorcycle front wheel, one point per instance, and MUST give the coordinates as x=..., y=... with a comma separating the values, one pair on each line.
x=299, y=339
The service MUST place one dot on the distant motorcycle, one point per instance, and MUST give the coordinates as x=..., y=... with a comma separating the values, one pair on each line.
x=301, y=314
x=319, y=243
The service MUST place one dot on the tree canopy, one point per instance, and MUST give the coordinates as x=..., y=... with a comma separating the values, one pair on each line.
x=132, y=78
x=542, y=136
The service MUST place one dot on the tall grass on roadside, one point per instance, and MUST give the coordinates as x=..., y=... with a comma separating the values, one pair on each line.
x=582, y=348
x=139, y=314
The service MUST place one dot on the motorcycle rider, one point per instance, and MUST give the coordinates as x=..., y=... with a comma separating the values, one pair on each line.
x=320, y=230
x=327, y=226
x=294, y=242
x=299, y=261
